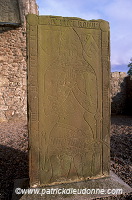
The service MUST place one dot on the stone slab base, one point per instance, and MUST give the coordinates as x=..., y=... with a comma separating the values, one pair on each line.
x=113, y=182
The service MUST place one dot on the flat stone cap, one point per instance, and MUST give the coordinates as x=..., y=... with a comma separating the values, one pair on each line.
x=33, y=19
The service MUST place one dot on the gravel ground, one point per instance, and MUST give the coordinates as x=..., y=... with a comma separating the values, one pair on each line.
x=14, y=153
x=13, y=156
x=121, y=147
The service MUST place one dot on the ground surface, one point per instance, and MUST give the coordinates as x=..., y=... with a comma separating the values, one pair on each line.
x=14, y=153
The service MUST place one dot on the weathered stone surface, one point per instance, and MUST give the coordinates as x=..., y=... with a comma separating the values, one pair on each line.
x=27, y=6
x=68, y=79
x=9, y=12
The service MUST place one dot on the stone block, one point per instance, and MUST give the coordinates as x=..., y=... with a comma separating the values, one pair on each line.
x=68, y=79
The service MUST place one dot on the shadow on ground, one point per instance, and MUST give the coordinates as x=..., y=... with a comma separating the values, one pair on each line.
x=122, y=120
x=13, y=165
x=121, y=147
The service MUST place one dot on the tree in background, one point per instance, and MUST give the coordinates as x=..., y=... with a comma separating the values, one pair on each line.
x=130, y=67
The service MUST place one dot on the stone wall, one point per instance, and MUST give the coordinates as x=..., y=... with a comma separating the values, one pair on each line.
x=118, y=92
x=129, y=95
x=13, y=94
x=121, y=93
x=27, y=6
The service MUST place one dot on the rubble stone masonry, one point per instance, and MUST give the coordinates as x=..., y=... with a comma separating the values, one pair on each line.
x=13, y=70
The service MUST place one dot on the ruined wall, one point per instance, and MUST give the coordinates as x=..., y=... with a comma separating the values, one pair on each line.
x=129, y=95
x=13, y=95
x=27, y=6
x=118, y=92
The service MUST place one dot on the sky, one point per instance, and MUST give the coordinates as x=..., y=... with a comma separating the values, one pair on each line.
x=117, y=12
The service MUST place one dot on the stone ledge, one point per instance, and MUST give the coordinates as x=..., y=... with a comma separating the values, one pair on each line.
x=113, y=182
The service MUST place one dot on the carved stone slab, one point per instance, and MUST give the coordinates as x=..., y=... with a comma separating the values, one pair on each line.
x=68, y=99
x=9, y=12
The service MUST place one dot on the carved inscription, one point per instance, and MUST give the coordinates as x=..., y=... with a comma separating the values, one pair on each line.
x=69, y=22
